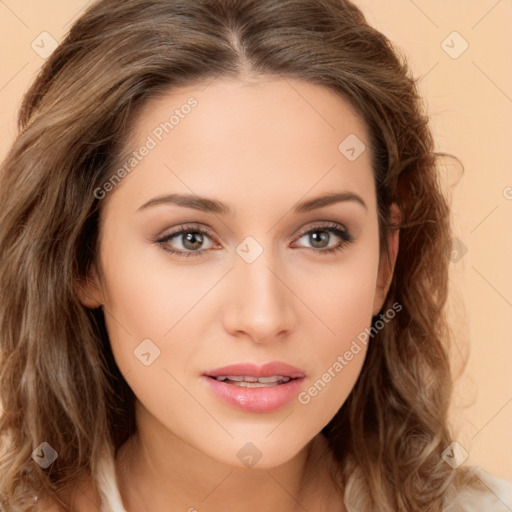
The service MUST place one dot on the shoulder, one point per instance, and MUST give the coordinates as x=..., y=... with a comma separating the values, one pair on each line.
x=82, y=496
x=495, y=495
x=492, y=494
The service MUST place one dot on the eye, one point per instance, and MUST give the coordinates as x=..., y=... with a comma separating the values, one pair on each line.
x=191, y=239
x=320, y=237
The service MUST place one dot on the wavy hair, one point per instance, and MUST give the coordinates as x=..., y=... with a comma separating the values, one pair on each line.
x=59, y=382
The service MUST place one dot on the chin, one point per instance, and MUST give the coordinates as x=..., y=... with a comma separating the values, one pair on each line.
x=258, y=452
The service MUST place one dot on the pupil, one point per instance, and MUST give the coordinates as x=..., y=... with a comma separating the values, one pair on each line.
x=194, y=240
x=324, y=237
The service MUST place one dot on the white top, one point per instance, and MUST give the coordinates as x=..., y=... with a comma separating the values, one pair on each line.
x=497, y=499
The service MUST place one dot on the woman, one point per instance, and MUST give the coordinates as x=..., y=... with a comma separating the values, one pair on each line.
x=226, y=254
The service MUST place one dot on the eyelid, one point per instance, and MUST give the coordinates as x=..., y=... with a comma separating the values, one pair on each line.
x=325, y=224
x=201, y=228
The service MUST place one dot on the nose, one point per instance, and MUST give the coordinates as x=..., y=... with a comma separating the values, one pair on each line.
x=259, y=304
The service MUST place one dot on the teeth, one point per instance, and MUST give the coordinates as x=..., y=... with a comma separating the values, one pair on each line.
x=239, y=378
x=274, y=378
x=253, y=382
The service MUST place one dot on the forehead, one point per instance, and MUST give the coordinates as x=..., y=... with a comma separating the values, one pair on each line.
x=270, y=138
x=305, y=109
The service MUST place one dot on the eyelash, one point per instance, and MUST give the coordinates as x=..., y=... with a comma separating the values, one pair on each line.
x=331, y=228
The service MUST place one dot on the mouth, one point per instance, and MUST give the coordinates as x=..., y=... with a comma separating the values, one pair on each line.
x=253, y=388
x=253, y=382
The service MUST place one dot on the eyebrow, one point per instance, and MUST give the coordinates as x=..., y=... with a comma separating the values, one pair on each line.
x=213, y=206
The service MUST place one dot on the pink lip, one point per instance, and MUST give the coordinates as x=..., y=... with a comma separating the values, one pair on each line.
x=264, y=399
x=252, y=370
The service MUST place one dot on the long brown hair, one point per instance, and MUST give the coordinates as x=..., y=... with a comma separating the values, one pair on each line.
x=58, y=379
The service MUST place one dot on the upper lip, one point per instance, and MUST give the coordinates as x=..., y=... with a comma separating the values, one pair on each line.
x=253, y=370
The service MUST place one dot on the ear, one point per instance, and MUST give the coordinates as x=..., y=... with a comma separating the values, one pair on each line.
x=89, y=290
x=387, y=266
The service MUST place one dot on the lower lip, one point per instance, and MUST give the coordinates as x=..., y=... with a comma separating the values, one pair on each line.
x=255, y=399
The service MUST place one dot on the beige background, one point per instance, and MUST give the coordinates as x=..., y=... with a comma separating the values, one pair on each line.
x=469, y=99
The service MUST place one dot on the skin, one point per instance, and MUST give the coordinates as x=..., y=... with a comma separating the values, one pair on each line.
x=259, y=146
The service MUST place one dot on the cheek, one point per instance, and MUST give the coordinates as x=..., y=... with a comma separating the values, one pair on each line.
x=147, y=316
x=342, y=295
x=145, y=293
x=345, y=307
x=145, y=301
x=339, y=354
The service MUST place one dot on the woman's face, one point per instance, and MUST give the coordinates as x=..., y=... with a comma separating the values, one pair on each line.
x=261, y=274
